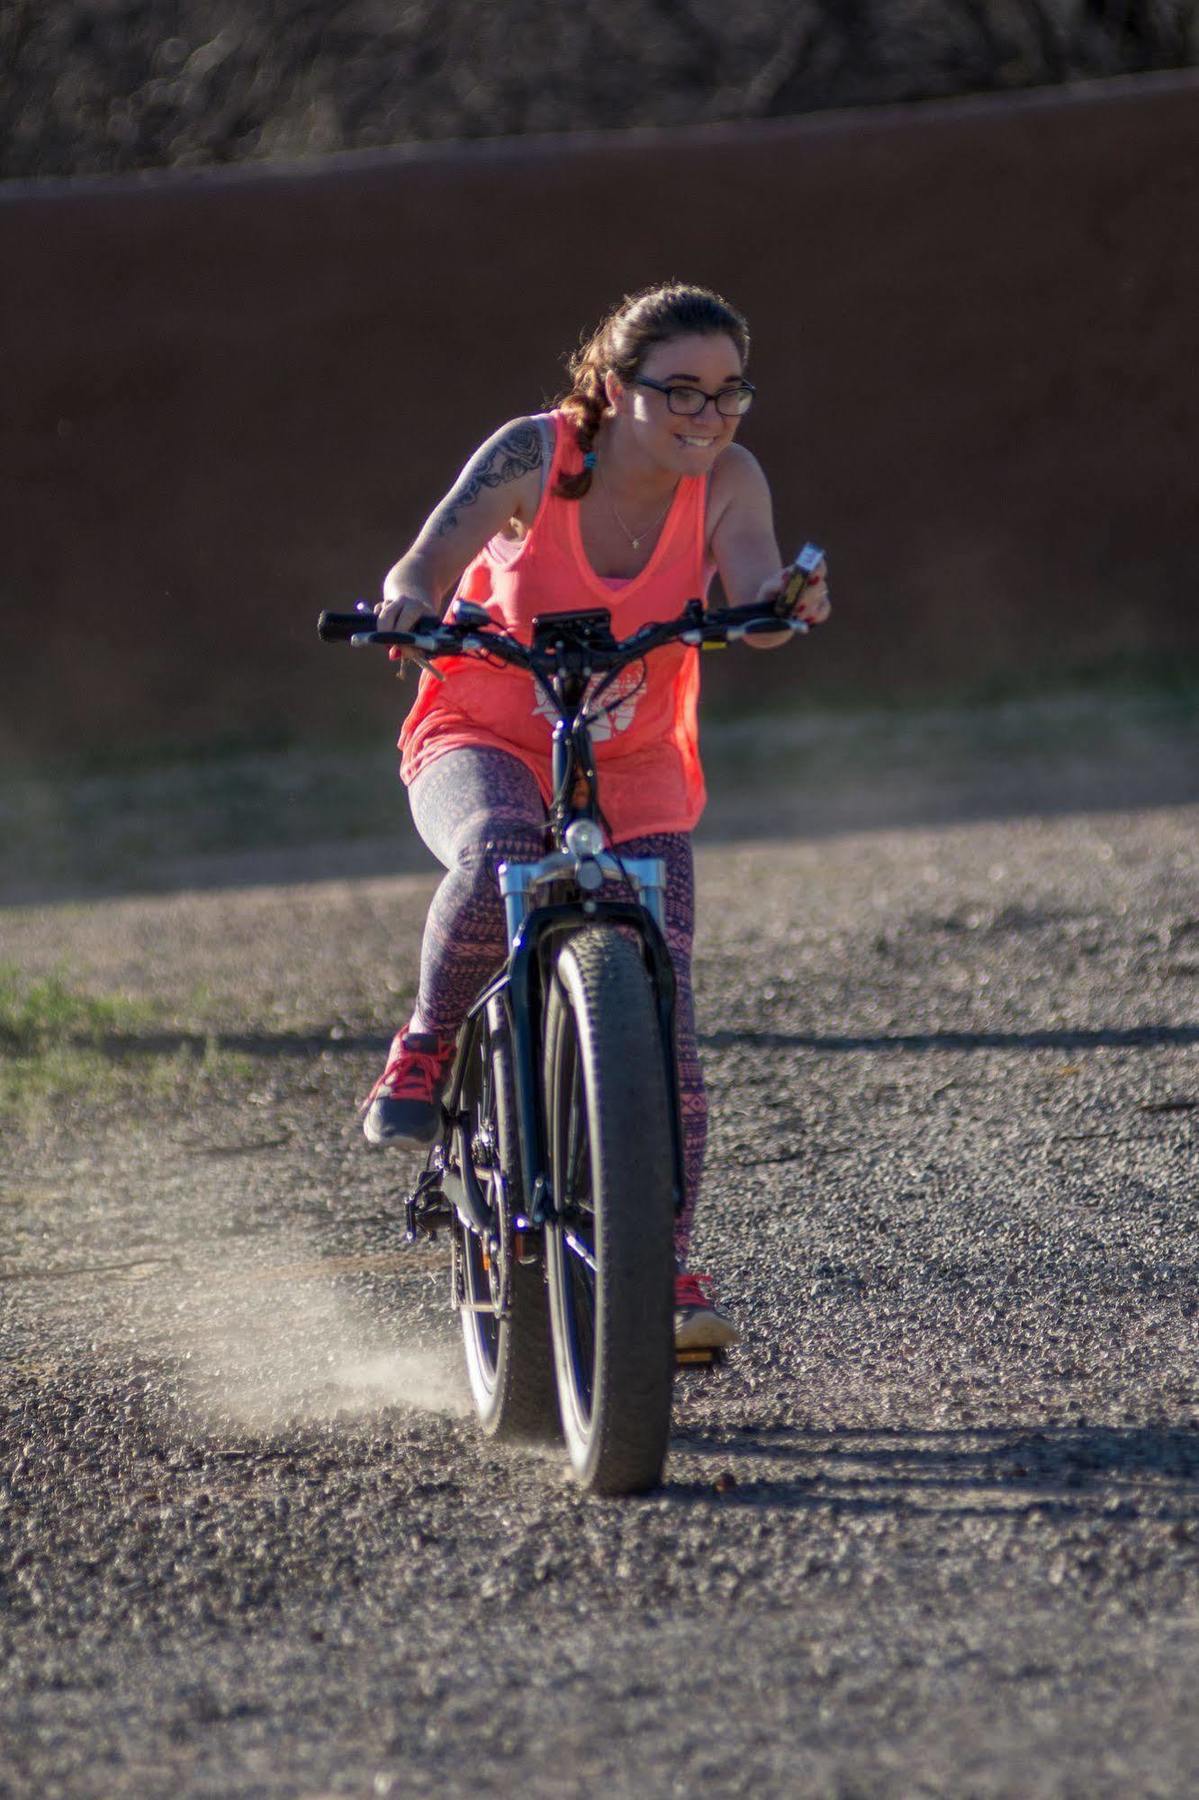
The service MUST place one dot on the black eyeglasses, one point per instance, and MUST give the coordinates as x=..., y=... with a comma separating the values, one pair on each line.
x=689, y=402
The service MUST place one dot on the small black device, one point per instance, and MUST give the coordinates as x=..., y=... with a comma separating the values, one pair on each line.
x=577, y=630
x=803, y=568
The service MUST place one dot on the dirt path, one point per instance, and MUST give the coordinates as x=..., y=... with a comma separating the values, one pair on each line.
x=934, y=1530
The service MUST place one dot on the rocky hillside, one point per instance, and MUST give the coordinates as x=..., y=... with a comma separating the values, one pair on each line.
x=111, y=86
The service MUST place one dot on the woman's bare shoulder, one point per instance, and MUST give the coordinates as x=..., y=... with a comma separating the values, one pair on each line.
x=510, y=452
x=514, y=459
x=500, y=481
x=737, y=470
x=737, y=481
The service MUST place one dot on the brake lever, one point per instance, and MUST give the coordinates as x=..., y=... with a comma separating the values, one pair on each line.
x=422, y=662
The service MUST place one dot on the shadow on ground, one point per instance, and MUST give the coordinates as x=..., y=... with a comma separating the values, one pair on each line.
x=122, y=1047
x=987, y=1472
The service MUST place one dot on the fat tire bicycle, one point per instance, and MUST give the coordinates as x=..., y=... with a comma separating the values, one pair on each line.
x=558, y=1170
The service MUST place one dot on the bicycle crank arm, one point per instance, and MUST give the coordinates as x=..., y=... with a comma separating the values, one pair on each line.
x=462, y=1190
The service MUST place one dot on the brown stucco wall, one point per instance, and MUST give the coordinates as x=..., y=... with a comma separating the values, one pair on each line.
x=228, y=401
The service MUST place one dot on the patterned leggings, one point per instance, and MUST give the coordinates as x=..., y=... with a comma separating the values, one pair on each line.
x=478, y=808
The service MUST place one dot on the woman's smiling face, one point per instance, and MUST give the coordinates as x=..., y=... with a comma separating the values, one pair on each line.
x=686, y=445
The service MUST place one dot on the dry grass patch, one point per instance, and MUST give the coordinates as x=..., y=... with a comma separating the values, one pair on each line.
x=59, y=1041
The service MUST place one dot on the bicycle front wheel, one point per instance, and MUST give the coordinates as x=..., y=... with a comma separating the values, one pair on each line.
x=609, y=1248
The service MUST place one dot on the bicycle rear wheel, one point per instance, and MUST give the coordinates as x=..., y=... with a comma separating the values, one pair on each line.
x=505, y=1330
x=609, y=1249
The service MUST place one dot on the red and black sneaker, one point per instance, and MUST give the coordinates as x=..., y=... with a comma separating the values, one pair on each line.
x=405, y=1102
x=699, y=1324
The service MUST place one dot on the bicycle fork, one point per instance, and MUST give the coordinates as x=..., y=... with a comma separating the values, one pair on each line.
x=444, y=1189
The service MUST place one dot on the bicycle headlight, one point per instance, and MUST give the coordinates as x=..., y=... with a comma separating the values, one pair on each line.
x=584, y=838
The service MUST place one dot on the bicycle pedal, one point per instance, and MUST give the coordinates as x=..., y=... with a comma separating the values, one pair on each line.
x=697, y=1359
x=426, y=1209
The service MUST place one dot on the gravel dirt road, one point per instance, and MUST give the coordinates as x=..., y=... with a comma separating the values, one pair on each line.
x=933, y=1531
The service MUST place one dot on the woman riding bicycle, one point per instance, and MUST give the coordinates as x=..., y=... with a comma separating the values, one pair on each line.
x=629, y=495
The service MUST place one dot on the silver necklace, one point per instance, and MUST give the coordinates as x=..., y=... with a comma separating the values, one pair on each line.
x=645, y=529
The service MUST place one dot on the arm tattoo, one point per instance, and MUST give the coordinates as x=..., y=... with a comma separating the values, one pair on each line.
x=517, y=453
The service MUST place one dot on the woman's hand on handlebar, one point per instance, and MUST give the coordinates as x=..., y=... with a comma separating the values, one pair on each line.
x=399, y=612
x=412, y=590
x=813, y=605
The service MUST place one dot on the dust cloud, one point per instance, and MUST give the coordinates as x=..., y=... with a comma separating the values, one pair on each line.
x=289, y=1345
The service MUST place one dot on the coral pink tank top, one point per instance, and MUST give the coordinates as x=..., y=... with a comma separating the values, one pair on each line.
x=647, y=745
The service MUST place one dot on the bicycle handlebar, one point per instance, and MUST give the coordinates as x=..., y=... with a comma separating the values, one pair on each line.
x=340, y=628
x=443, y=637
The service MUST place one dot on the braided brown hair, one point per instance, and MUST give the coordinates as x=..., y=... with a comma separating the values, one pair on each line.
x=619, y=346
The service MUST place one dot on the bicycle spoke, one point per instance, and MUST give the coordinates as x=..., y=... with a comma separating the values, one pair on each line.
x=478, y=1291
x=582, y=1281
x=578, y=1162
x=583, y=1251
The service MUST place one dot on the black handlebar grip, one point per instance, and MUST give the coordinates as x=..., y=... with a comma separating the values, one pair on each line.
x=339, y=628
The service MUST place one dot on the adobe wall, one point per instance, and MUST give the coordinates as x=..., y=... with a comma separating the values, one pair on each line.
x=229, y=401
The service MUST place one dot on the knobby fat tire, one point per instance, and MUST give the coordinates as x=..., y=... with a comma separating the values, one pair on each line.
x=601, y=1001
